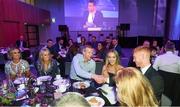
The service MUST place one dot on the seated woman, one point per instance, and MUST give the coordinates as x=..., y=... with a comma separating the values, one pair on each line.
x=133, y=89
x=16, y=67
x=111, y=67
x=46, y=65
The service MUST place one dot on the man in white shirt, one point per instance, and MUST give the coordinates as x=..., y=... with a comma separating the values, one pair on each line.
x=168, y=65
x=141, y=57
x=168, y=62
x=83, y=66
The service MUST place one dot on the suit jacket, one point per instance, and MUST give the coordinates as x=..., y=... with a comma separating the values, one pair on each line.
x=118, y=49
x=98, y=18
x=18, y=44
x=156, y=81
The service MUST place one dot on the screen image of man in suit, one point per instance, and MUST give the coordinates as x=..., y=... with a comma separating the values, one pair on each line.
x=92, y=18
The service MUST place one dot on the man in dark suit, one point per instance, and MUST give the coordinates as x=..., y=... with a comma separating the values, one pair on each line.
x=21, y=43
x=116, y=46
x=142, y=59
x=92, y=18
x=56, y=48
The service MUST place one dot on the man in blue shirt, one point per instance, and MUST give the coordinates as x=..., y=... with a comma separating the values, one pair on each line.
x=83, y=67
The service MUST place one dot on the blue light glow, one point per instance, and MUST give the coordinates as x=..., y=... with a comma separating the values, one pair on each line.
x=176, y=30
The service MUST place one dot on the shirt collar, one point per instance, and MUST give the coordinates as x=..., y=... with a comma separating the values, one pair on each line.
x=144, y=69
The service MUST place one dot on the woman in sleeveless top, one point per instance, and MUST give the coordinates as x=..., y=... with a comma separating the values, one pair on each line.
x=111, y=67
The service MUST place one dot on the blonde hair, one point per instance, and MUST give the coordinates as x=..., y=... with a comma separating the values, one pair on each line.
x=71, y=99
x=134, y=89
x=10, y=52
x=42, y=51
x=143, y=49
x=117, y=63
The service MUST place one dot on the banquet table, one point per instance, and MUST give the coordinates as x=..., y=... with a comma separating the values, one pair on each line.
x=46, y=98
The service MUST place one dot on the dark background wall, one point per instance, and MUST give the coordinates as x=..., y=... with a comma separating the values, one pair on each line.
x=13, y=16
x=56, y=8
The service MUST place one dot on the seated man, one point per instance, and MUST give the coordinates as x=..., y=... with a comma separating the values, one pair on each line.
x=83, y=67
x=168, y=65
x=142, y=59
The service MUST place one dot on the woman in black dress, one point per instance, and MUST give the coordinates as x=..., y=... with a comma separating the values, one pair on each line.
x=111, y=67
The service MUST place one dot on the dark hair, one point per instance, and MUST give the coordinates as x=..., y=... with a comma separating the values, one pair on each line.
x=49, y=40
x=107, y=37
x=94, y=37
x=115, y=38
x=57, y=39
x=170, y=46
x=153, y=48
x=92, y=1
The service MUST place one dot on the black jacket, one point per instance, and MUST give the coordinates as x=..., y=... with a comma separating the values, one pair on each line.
x=156, y=81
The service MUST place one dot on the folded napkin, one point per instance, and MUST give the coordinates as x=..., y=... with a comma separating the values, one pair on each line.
x=109, y=93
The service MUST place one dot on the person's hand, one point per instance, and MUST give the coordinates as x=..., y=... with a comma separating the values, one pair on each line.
x=98, y=78
x=19, y=74
x=27, y=74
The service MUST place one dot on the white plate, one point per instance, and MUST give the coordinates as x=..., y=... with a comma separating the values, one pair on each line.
x=44, y=78
x=61, y=82
x=20, y=80
x=79, y=85
x=98, y=102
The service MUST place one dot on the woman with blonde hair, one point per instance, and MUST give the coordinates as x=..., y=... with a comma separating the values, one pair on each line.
x=134, y=89
x=46, y=65
x=16, y=67
x=111, y=67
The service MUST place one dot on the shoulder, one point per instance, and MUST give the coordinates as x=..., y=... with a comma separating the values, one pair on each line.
x=153, y=73
x=99, y=12
x=24, y=61
x=92, y=61
x=120, y=67
x=7, y=63
x=53, y=61
x=78, y=56
x=104, y=67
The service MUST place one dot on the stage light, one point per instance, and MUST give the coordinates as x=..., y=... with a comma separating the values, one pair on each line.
x=53, y=20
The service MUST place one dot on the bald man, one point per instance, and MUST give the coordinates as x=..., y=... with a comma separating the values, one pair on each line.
x=141, y=57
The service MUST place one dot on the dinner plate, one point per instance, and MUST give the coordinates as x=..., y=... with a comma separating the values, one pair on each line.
x=62, y=82
x=44, y=78
x=95, y=101
x=21, y=94
x=81, y=85
x=21, y=80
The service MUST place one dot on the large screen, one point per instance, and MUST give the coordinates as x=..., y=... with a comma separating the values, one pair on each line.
x=91, y=15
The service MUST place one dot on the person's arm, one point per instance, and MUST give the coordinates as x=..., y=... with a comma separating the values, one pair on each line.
x=158, y=86
x=179, y=65
x=27, y=69
x=156, y=64
x=105, y=74
x=80, y=72
x=55, y=68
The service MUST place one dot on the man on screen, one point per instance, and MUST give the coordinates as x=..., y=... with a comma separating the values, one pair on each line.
x=92, y=18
